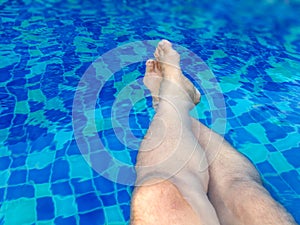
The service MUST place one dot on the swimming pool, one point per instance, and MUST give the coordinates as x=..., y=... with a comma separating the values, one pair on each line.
x=46, y=48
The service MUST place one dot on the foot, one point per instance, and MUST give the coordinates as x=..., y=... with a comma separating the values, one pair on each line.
x=169, y=60
x=152, y=80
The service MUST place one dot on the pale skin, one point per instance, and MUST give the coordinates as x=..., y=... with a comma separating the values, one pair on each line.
x=186, y=173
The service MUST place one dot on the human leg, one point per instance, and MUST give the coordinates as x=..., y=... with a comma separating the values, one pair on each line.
x=170, y=151
x=235, y=188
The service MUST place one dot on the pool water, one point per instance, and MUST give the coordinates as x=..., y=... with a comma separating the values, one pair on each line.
x=46, y=47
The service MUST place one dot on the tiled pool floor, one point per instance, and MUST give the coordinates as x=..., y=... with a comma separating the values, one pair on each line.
x=46, y=47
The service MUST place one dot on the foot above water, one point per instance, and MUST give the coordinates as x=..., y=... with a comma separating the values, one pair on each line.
x=166, y=67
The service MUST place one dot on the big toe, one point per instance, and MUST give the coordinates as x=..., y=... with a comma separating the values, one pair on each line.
x=165, y=53
x=165, y=45
x=150, y=66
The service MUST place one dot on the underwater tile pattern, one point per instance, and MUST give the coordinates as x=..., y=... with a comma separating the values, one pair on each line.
x=45, y=48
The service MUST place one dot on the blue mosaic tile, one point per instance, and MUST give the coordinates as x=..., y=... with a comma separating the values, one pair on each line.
x=104, y=185
x=34, y=79
x=34, y=87
x=133, y=156
x=294, y=183
x=234, y=122
x=256, y=115
x=244, y=136
x=278, y=183
x=45, y=208
x=93, y=217
x=60, y=170
x=19, y=119
x=291, y=204
x=61, y=188
x=292, y=155
x=123, y=196
x=5, y=162
x=40, y=176
x=60, y=153
x=35, y=106
x=245, y=119
x=20, y=191
x=34, y=132
x=105, y=160
x=274, y=131
x=108, y=200
x=106, y=112
x=266, y=167
x=87, y=202
x=294, y=118
x=72, y=149
x=20, y=72
x=126, y=211
x=65, y=206
x=288, y=129
x=229, y=112
x=5, y=75
x=20, y=93
x=3, y=95
x=143, y=121
x=18, y=132
x=54, y=115
x=114, y=144
x=82, y=187
x=271, y=148
x=18, y=177
x=107, y=93
x=17, y=82
x=5, y=121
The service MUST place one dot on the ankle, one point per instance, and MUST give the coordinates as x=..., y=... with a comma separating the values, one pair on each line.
x=173, y=92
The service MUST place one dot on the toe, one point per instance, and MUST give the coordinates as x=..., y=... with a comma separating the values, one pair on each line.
x=157, y=67
x=162, y=47
x=165, y=44
x=197, y=96
x=149, y=66
x=157, y=53
x=160, y=50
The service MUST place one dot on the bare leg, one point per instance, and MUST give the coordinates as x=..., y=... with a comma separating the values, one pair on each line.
x=235, y=187
x=171, y=153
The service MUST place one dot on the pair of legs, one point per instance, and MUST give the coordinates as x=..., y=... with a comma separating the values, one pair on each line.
x=186, y=173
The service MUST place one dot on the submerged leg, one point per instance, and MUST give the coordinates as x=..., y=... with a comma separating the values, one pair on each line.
x=171, y=166
x=235, y=187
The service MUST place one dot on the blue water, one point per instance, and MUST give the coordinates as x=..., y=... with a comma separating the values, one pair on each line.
x=46, y=47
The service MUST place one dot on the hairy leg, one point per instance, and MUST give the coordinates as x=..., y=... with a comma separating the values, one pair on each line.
x=235, y=187
x=170, y=152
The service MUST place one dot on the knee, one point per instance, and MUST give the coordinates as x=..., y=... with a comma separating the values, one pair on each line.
x=154, y=192
x=160, y=203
